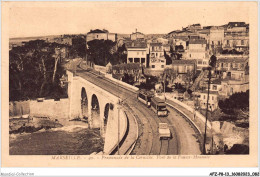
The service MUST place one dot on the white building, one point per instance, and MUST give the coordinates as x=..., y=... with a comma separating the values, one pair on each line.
x=137, y=52
x=157, y=59
x=136, y=35
x=197, y=49
x=213, y=100
x=101, y=35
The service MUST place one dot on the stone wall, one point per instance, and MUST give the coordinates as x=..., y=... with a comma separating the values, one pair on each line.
x=50, y=108
x=46, y=108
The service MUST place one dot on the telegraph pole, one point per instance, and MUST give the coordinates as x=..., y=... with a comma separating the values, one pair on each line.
x=205, y=134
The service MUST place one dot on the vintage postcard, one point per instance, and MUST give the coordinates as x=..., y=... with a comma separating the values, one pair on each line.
x=129, y=84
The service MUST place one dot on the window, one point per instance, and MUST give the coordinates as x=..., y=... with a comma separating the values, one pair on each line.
x=227, y=42
x=218, y=42
x=212, y=97
x=162, y=66
x=236, y=65
x=242, y=42
x=190, y=55
x=142, y=60
x=137, y=60
x=214, y=87
x=199, y=62
x=156, y=54
x=204, y=97
x=97, y=36
x=130, y=60
x=153, y=66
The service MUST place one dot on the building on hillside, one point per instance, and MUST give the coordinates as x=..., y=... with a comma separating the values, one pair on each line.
x=184, y=66
x=160, y=40
x=101, y=35
x=137, y=35
x=205, y=33
x=179, y=33
x=132, y=69
x=216, y=38
x=180, y=41
x=62, y=39
x=193, y=27
x=236, y=81
x=184, y=69
x=157, y=60
x=227, y=64
x=212, y=102
x=137, y=52
x=237, y=36
x=197, y=49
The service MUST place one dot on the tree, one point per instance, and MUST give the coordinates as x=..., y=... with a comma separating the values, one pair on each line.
x=168, y=58
x=32, y=71
x=188, y=78
x=101, y=51
x=237, y=105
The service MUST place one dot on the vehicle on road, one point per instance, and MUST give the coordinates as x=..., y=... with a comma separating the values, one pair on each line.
x=164, y=131
x=145, y=97
x=159, y=106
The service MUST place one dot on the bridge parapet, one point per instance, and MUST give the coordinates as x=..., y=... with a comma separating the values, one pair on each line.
x=111, y=120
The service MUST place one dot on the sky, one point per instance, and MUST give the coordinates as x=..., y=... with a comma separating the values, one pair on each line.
x=40, y=19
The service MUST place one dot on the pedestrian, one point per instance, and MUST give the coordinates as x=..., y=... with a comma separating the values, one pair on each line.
x=194, y=114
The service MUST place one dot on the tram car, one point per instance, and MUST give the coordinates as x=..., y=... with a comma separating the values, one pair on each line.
x=145, y=97
x=159, y=107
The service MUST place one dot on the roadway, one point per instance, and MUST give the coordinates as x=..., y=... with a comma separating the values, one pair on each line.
x=148, y=143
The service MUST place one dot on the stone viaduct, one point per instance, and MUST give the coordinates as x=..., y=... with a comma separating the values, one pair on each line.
x=99, y=107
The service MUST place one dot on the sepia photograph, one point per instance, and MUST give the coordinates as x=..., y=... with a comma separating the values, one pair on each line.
x=144, y=80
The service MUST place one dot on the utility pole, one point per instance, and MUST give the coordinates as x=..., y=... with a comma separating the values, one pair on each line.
x=212, y=64
x=205, y=134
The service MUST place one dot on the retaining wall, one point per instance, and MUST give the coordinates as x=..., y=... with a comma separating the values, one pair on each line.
x=47, y=108
x=109, y=76
x=198, y=114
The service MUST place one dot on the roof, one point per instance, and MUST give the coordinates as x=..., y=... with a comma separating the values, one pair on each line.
x=183, y=62
x=228, y=60
x=97, y=31
x=216, y=81
x=180, y=31
x=210, y=92
x=127, y=66
x=207, y=27
x=156, y=44
x=198, y=41
x=237, y=24
x=137, y=33
x=185, y=38
x=197, y=24
x=136, y=44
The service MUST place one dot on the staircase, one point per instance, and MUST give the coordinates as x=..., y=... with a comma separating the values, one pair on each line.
x=198, y=79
